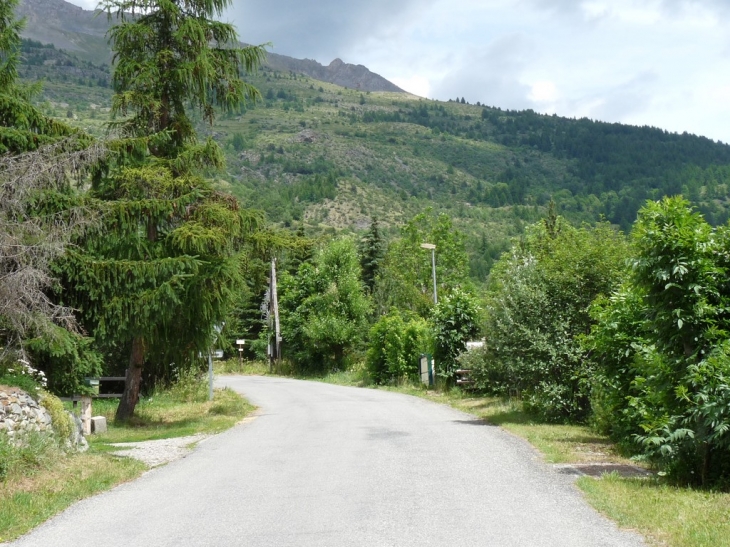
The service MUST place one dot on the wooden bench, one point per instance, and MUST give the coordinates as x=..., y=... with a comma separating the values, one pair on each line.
x=76, y=398
x=462, y=377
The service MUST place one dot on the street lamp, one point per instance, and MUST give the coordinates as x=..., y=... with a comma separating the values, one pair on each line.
x=433, y=267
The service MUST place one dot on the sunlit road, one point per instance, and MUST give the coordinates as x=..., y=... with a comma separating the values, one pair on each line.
x=326, y=465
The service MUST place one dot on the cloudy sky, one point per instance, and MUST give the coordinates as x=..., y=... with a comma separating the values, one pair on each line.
x=664, y=63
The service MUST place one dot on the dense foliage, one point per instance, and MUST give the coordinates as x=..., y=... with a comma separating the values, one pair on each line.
x=395, y=343
x=538, y=304
x=455, y=321
x=324, y=309
x=661, y=345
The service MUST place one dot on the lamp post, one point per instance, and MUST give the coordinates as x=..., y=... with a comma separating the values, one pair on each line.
x=432, y=247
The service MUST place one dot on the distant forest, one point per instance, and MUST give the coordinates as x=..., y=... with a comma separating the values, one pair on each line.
x=621, y=164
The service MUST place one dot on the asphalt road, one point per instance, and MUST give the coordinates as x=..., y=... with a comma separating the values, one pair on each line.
x=326, y=465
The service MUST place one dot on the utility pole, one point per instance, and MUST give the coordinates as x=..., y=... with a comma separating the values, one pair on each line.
x=275, y=347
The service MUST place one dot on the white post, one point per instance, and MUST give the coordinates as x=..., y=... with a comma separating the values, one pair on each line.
x=210, y=375
x=433, y=265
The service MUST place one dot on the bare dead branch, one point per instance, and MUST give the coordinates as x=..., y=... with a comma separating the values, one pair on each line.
x=30, y=242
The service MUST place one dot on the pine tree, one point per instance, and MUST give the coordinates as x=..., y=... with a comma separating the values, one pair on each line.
x=170, y=56
x=165, y=268
x=372, y=249
x=22, y=126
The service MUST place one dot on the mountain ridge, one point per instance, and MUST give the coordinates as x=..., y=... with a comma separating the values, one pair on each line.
x=83, y=33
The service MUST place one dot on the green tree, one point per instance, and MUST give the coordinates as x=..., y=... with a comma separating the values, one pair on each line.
x=165, y=268
x=23, y=127
x=40, y=212
x=455, y=320
x=172, y=56
x=372, y=249
x=662, y=346
x=405, y=277
x=537, y=309
x=238, y=142
x=324, y=309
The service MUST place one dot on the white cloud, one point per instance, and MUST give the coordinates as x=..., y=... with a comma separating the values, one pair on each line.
x=418, y=85
x=544, y=92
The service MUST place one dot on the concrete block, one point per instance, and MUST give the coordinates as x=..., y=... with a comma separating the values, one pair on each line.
x=98, y=424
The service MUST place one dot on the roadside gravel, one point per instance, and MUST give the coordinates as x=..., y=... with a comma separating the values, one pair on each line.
x=159, y=452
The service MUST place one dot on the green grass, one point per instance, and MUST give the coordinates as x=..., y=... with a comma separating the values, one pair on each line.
x=163, y=416
x=665, y=515
x=30, y=499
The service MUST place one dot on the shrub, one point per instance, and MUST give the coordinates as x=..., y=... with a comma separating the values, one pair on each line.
x=662, y=346
x=455, y=321
x=396, y=342
x=538, y=299
x=66, y=359
x=63, y=424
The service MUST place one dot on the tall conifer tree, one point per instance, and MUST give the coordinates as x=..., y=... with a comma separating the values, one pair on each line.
x=164, y=270
x=372, y=249
x=22, y=126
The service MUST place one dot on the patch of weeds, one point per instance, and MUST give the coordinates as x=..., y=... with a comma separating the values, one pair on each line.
x=28, y=455
x=190, y=386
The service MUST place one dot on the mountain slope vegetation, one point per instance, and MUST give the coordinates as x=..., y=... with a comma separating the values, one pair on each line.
x=327, y=158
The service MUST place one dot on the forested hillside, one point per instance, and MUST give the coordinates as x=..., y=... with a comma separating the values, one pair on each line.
x=327, y=158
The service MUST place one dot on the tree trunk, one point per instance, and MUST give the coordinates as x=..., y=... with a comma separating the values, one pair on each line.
x=132, y=382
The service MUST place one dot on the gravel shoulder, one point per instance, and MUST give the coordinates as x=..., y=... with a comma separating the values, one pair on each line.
x=159, y=452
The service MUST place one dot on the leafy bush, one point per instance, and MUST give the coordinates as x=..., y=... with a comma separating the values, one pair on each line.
x=537, y=310
x=396, y=341
x=662, y=346
x=66, y=359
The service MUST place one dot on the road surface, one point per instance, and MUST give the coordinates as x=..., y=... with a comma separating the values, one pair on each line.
x=326, y=465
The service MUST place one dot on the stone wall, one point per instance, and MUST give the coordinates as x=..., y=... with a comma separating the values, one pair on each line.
x=21, y=414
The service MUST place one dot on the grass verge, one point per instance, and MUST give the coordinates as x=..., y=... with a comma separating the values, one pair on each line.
x=43, y=480
x=29, y=500
x=664, y=514
x=166, y=415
